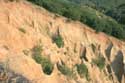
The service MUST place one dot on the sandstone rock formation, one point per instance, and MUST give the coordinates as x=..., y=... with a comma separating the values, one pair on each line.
x=24, y=25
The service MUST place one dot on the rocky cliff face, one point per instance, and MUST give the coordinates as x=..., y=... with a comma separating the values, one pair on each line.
x=78, y=54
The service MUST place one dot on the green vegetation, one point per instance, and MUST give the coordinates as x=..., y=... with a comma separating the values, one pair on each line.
x=118, y=13
x=82, y=70
x=88, y=12
x=102, y=5
x=65, y=70
x=22, y=30
x=113, y=8
x=46, y=64
x=99, y=61
x=58, y=40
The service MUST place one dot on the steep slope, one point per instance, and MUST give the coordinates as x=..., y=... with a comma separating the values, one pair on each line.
x=85, y=14
x=24, y=26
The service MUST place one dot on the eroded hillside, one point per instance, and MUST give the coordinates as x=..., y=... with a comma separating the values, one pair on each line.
x=40, y=47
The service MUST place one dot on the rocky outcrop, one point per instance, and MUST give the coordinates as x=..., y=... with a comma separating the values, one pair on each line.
x=108, y=50
x=8, y=76
x=118, y=66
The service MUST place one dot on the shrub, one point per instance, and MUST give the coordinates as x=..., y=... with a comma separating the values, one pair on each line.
x=72, y=12
x=38, y=58
x=37, y=50
x=46, y=64
x=65, y=70
x=58, y=40
x=82, y=70
x=99, y=61
x=118, y=32
x=22, y=30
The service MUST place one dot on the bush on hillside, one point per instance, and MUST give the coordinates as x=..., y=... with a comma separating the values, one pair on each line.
x=46, y=64
x=65, y=70
x=99, y=62
x=82, y=70
x=58, y=40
